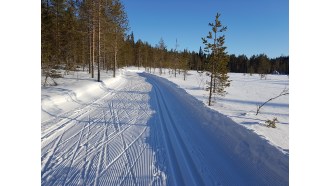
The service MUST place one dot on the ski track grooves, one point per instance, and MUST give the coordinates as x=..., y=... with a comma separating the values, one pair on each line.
x=129, y=136
x=194, y=177
x=63, y=119
x=103, y=142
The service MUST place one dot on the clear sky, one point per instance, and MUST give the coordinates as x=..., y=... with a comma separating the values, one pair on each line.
x=254, y=26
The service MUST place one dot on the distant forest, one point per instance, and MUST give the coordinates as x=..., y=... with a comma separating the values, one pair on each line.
x=94, y=35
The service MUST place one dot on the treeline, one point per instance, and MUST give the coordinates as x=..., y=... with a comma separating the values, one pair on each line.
x=142, y=54
x=86, y=33
x=93, y=35
x=260, y=64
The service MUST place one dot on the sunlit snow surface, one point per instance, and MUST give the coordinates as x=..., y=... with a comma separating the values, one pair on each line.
x=140, y=129
x=240, y=104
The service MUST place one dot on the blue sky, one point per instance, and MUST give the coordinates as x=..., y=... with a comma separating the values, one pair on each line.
x=254, y=26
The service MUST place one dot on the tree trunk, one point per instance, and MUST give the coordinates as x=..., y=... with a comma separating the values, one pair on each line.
x=115, y=61
x=103, y=53
x=83, y=56
x=90, y=51
x=93, y=41
x=214, y=82
x=57, y=35
x=99, y=57
x=210, y=95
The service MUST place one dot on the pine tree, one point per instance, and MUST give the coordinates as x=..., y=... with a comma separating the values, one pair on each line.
x=263, y=65
x=214, y=46
x=176, y=58
x=145, y=53
x=138, y=53
x=119, y=25
x=200, y=64
x=184, y=63
x=161, y=49
x=48, y=42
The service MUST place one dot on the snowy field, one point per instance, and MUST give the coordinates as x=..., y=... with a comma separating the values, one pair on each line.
x=140, y=129
x=240, y=104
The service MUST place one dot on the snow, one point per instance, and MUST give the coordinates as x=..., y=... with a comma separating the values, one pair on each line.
x=240, y=104
x=141, y=129
x=72, y=90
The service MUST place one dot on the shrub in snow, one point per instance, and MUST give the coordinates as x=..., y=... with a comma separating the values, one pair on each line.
x=263, y=76
x=52, y=74
x=275, y=72
x=272, y=123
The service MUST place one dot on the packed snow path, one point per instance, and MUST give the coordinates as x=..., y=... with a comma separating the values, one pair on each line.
x=146, y=131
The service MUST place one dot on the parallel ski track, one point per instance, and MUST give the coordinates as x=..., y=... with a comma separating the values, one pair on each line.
x=190, y=168
x=184, y=172
x=65, y=118
x=91, y=147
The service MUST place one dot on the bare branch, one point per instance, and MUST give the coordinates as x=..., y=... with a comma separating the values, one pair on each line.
x=284, y=92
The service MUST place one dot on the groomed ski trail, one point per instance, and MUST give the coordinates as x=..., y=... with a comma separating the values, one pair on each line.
x=146, y=131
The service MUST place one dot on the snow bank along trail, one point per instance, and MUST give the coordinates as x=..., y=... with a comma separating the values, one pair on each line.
x=146, y=131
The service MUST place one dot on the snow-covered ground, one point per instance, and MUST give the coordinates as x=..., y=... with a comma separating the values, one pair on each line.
x=240, y=104
x=140, y=129
x=73, y=90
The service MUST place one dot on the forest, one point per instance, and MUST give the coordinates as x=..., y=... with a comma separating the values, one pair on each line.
x=95, y=35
